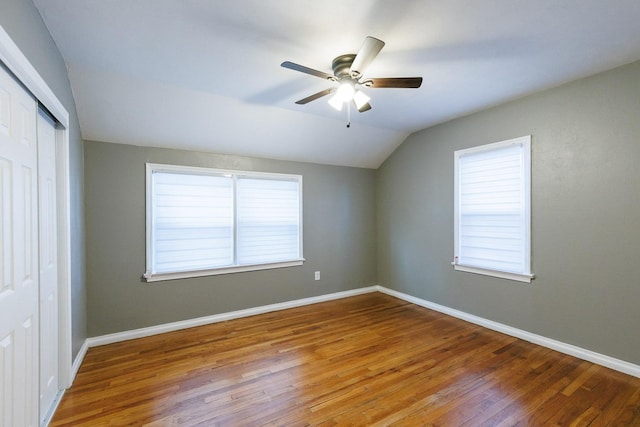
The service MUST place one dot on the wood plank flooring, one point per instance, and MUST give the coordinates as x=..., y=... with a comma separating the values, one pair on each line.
x=369, y=360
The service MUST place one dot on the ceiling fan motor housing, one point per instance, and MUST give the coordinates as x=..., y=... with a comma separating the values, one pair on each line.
x=341, y=66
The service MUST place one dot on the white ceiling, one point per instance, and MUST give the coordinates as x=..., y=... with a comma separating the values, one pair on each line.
x=205, y=75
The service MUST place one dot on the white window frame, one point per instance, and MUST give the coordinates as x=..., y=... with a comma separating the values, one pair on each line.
x=151, y=276
x=524, y=276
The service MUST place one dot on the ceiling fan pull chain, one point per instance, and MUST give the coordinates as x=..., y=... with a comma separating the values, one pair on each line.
x=348, y=114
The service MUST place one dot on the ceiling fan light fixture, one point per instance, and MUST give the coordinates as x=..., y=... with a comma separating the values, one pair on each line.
x=336, y=102
x=346, y=91
x=360, y=99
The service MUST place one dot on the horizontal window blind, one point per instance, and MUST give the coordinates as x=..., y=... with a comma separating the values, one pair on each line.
x=207, y=220
x=192, y=222
x=493, y=225
x=268, y=220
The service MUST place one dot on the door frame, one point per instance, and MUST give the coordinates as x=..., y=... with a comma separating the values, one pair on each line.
x=20, y=66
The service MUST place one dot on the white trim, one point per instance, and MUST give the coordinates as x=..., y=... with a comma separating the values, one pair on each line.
x=158, y=277
x=572, y=350
x=581, y=353
x=500, y=274
x=52, y=410
x=63, y=191
x=20, y=66
x=77, y=362
x=190, y=323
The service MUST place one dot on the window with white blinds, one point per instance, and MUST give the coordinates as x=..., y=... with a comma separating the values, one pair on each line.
x=493, y=209
x=268, y=220
x=205, y=221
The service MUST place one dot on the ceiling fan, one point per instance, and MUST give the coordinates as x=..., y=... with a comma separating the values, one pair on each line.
x=348, y=72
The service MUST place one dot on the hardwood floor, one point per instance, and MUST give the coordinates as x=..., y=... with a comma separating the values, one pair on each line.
x=368, y=360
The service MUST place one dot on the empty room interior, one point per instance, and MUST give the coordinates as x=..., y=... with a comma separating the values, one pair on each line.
x=297, y=213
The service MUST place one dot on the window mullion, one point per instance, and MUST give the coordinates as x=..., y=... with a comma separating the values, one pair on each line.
x=235, y=219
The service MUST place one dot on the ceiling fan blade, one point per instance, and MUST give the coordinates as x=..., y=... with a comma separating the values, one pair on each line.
x=307, y=70
x=316, y=95
x=367, y=53
x=395, y=82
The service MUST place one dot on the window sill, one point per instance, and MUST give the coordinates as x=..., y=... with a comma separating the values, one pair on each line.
x=527, y=278
x=158, y=277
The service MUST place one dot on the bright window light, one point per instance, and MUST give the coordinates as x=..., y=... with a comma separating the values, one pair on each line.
x=204, y=221
x=492, y=223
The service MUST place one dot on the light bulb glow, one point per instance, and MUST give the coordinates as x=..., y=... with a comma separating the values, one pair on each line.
x=336, y=102
x=346, y=91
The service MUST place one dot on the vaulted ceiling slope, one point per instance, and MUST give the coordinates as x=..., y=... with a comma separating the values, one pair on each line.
x=205, y=75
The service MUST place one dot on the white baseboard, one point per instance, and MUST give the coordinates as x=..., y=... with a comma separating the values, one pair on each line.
x=77, y=362
x=581, y=353
x=190, y=323
x=54, y=407
x=572, y=350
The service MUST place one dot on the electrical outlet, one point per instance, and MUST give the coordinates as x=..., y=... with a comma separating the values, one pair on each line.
x=317, y=275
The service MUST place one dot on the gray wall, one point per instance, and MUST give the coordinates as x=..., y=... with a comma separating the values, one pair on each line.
x=585, y=217
x=21, y=20
x=339, y=240
x=586, y=207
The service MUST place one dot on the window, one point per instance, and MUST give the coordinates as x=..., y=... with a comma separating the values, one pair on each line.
x=493, y=209
x=204, y=221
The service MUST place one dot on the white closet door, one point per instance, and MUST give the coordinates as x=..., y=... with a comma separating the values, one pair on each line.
x=48, y=264
x=18, y=256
